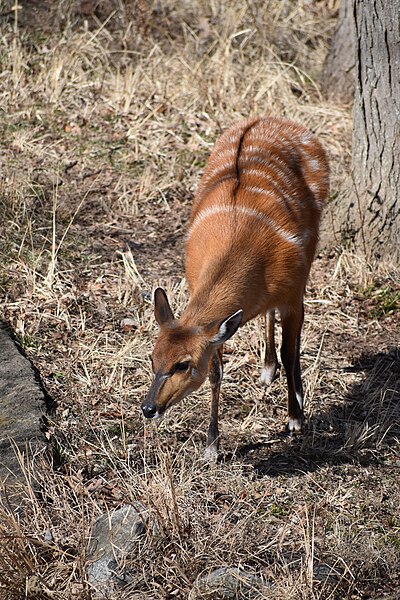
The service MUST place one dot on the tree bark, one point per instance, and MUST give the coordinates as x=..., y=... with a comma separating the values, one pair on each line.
x=376, y=132
x=337, y=77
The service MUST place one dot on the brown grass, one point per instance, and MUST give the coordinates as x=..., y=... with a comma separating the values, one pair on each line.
x=110, y=117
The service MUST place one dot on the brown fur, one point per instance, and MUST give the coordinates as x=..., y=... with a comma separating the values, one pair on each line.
x=253, y=233
x=256, y=275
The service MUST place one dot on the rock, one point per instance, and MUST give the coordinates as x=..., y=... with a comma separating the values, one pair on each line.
x=22, y=408
x=228, y=583
x=325, y=573
x=128, y=324
x=113, y=537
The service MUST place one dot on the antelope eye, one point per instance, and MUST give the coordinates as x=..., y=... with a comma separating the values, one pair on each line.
x=182, y=366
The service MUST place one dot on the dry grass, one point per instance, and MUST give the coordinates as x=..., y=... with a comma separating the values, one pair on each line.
x=110, y=118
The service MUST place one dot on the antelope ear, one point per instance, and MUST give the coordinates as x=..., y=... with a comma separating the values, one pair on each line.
x=162, y=309
x=227, y=328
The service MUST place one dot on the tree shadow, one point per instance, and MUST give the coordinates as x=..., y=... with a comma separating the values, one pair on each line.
x=361, y=429
x=49, y=15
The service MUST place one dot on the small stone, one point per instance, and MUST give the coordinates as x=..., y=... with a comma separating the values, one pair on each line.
x=48, y=537
x=113, y=537
x=228, y=583
x=323, y=573
x=128, y=324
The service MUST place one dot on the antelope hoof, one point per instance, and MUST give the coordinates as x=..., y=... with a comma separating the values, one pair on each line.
x=211, y=454
x=268, y=374
x=295, y=425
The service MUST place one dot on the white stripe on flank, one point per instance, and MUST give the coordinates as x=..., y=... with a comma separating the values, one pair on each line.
x=270, y=179
x=217, y=170
x=283, y=199
x=276, y=165
x=257, y=149
x=233, y=138
x=231, y=151
x=248, y=212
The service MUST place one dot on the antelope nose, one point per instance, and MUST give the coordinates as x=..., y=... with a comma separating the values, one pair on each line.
x=149, y=410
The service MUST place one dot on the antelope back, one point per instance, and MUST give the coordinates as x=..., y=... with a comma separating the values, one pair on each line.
x=257, y=210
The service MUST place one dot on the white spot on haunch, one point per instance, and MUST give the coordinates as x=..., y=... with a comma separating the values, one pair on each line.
x=314, y=187
x=313, y=164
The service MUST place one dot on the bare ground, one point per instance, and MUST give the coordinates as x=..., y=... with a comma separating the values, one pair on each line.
x=106, y=129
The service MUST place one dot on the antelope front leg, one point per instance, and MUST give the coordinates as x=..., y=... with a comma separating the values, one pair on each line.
x=268, y=373
x=290, y=354
x=215, y=373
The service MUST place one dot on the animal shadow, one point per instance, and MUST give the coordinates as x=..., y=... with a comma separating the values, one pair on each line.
x=360, y=428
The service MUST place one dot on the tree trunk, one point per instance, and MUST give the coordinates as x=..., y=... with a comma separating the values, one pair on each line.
x=376, y=133
x=337, y=77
